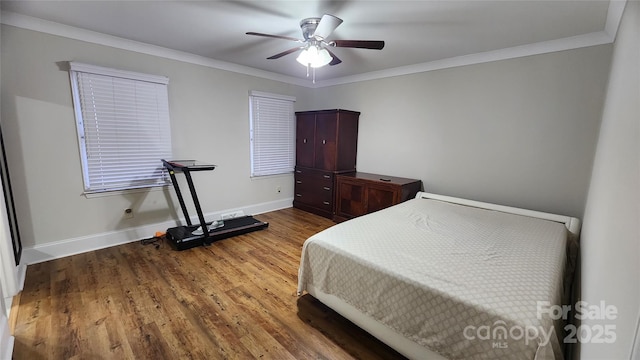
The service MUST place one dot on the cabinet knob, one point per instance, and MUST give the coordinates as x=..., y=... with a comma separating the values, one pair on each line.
x=298, y=182
x=298, y=195
x=327, y=188
x=304, y=141
x=299, y=171
x=324, y=142
x=326, y=176
x=325, y=202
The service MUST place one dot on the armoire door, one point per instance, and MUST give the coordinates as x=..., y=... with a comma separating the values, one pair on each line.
x=305, y=140
x=326, y=138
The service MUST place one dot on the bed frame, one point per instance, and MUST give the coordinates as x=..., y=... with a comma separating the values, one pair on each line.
x=395, y=340
x=572, y=224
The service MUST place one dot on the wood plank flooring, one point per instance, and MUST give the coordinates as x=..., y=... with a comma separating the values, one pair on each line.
x=235, y=299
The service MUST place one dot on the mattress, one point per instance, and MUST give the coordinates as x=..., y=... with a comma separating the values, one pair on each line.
x=460, y=281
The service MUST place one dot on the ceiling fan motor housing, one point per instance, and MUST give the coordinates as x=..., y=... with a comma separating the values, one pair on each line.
x=308, y=27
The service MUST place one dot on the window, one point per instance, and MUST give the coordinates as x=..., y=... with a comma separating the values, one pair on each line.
x=123, y=127
x=272, y=133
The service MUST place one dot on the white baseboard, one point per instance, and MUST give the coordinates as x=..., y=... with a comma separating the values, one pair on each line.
x=63, y=248
x=6, y=340
x=22, y=274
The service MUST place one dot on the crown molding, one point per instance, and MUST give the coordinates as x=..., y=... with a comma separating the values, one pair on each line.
x=54, y=28
x=614, y=16
x=606, y=36
x=574, y=42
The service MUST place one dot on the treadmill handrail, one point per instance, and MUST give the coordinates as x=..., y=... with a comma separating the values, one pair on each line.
x=188, y=165
x=174, y=166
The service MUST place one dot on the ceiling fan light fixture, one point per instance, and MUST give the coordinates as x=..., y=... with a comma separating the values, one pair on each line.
x=314, y=56
x=313, y=51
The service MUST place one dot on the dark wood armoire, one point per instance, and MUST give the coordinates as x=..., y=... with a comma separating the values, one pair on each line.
x=326, y=145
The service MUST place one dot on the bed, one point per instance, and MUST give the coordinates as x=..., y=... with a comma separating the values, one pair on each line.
x=438, y=277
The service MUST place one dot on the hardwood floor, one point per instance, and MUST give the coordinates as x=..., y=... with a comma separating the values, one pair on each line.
x=235, y=299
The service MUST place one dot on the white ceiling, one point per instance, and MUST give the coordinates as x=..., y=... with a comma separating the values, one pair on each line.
x=418, y=34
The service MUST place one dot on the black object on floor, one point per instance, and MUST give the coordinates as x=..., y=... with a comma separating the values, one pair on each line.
x=182, y=237
x=185, y=237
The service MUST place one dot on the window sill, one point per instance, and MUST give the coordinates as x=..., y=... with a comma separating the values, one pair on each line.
x=92, y=195
x=264, y=177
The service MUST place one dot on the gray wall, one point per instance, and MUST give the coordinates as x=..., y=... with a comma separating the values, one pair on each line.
x=518, y=132
x=611, y=231
x=209, y=120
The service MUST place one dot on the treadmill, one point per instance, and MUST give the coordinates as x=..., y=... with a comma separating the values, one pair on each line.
x=204, y=233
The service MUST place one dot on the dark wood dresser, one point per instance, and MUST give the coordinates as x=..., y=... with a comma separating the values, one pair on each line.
x=362, y=193
x=326, y=145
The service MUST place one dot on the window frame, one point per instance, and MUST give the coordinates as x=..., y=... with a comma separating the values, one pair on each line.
x=290, y=126
x=155, y=180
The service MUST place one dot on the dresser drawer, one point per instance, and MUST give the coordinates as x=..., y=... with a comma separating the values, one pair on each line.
x=317, y=174
x=314, y=191
x=312, y=199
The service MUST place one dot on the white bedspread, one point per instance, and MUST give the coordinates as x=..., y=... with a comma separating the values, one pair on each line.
x=451, y=278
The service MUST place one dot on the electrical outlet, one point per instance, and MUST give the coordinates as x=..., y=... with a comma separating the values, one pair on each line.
x=128, y=214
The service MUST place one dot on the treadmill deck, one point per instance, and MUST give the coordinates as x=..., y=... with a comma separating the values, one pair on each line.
x=181, y=237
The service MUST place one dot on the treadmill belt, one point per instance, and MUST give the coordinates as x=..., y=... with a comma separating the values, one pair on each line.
x=237, y=226
x=181, y=237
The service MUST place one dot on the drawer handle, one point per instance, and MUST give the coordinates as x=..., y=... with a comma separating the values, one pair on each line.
x=298, y=182
x=325, y=202
x=299, y=171
x=298, y=195
x=327, y=176
x=327, y=188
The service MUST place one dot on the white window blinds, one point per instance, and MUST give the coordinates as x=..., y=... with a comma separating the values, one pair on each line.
x=272, y=133
x=123, y=127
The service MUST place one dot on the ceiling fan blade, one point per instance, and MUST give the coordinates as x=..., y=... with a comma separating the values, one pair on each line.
x=360, y=44
x=327, y=24
x=335, y=60
x=274, y=36
x=287, y=52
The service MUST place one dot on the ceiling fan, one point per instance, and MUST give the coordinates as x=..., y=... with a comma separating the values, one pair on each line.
x=314, y=46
